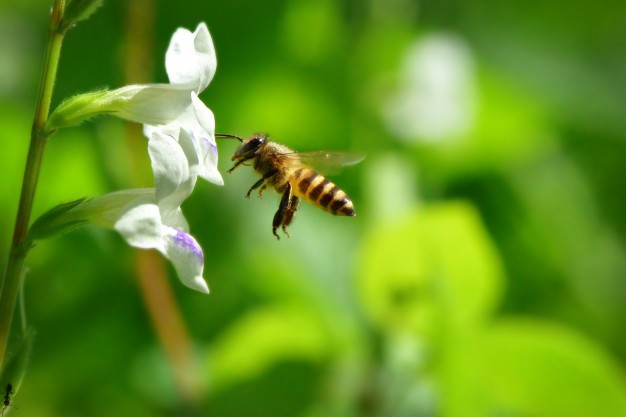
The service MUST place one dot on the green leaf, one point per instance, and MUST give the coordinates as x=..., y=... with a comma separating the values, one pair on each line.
x=264, y=338
x=435, y=264
x=437, y=274
x=500, y=135
x=539, y=369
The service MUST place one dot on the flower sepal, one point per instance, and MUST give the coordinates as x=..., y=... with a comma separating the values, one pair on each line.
x=77, y=109
x=153, y=104
x=56, y=221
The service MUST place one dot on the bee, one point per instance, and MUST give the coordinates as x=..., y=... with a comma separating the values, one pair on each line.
x=291, y=175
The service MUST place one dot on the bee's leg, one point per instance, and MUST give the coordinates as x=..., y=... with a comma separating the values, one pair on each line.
x=290, y=213
x=261, y=191
x=241, y=161
x=260, y=182
x=283, y=207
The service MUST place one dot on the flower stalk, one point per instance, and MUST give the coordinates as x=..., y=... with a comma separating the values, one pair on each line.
x=21, y=244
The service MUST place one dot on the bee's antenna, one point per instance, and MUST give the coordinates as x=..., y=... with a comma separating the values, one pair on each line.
x=227, y=136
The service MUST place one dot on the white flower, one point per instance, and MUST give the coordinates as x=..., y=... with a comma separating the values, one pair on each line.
x=151, y=218
x=190, y=61
x=167, y=108
x=181, y=144
x=142, y=224
x=181, y=149
x=156, y=221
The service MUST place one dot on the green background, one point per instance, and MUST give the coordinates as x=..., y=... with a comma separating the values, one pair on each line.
x=484, y=274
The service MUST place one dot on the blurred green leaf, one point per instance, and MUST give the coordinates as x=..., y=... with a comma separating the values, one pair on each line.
x=539, y=369
x=264, y=338
x=312, y=30
x=437, y=263
x=435, y=272
x=562, y=212
x=510, y=126
x=14, y=369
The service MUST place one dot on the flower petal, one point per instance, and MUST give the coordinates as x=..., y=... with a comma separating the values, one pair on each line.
x=140, y=225
x=198, y=121
x=175, y=218
x=139, y=220
x=152, y=104
x=190, y=58
x=174, y=163
x=107, y=209
x=186, y=255
x=204, y=115
x=205, y=142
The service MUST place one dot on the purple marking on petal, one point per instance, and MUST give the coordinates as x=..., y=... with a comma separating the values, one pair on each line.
x=211, y=148
x=185, y=241
x=199, y=138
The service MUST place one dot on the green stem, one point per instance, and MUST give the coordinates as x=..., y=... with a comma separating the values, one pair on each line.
x=21, y=244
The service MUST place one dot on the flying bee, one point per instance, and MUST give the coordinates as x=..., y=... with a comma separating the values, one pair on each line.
x=290, y=174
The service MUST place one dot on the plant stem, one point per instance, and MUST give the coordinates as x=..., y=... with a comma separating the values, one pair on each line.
x=20, y=244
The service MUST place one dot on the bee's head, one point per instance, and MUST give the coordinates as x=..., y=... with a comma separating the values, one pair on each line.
x=250, y=146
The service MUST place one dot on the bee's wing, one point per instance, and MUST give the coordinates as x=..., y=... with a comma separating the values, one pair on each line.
x=326, y=162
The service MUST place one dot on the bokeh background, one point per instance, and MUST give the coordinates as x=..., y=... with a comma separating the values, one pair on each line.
x=485, y=272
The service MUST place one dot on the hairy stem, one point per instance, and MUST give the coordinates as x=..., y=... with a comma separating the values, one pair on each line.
x=20, y=244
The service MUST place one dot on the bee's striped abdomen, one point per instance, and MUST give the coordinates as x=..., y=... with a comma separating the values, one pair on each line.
x=317, y=190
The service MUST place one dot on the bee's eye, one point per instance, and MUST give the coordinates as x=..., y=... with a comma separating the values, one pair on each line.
x=249, y=147
x=252, y=145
